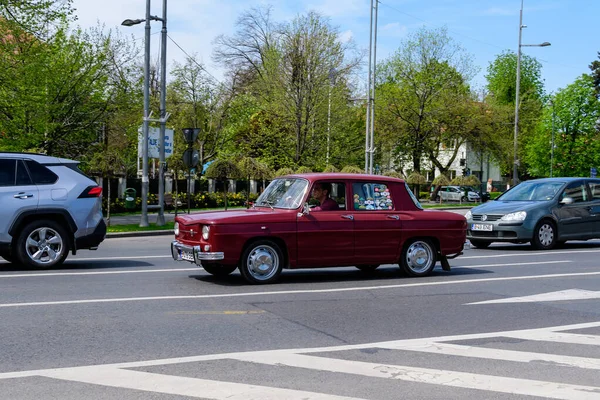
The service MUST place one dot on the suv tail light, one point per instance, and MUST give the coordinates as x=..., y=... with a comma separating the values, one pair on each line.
x=91, y=191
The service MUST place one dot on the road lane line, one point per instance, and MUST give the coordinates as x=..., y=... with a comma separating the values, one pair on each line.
x=466, y=380
x=141, y=271
x=535, y=253
x=559, y=337
x=292, y=292
x=498, y=354
x=308, y=350
x=512, y=264
x=183, y=386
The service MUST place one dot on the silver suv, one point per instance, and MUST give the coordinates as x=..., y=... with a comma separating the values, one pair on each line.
x=48, y=208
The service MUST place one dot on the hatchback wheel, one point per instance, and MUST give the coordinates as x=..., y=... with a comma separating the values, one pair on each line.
x=42, y=244
x=218, y=269
x=418, y=257
x=262, y=262
x=545, y=235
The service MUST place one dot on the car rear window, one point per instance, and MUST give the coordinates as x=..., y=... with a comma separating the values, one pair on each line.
x=40, y=174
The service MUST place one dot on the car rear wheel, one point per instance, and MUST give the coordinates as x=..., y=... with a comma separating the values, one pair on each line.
x=418, y=257
x=42, y=244
x=262, y=262
x=463, y=199
x=545, y=235
x=368, y=268
x=218, y=269
x=480, y=244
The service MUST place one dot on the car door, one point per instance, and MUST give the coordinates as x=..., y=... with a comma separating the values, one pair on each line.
x=17, y=194
x=594, y=191
x=574, y=219
x=326, y=238
x=377, y=225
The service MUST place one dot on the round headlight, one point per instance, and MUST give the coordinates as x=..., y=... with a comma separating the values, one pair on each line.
x=205, y=232
x=176, y=228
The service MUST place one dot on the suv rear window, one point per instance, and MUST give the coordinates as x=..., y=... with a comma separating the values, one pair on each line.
x=40, y=174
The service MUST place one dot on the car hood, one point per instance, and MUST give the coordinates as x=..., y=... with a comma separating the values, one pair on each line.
x=238, y=216
x=504, y=207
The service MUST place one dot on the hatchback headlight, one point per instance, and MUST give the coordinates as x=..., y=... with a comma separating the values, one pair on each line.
x=176, y=228
x=468, y=215
x=205, y=232
x=514, y=217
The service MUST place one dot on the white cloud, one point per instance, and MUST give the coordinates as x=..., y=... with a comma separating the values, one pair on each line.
x=346, y=36
x=394, y=29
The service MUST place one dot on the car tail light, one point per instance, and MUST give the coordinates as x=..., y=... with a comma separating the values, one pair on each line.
x=91, y=191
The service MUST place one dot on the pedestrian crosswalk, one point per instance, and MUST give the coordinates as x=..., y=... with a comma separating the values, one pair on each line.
x=560, y=362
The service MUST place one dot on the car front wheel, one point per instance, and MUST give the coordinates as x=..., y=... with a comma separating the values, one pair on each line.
x=262, y=262
x=218, y=269
x=42, y=244
x=418, y=257
x=545, y=235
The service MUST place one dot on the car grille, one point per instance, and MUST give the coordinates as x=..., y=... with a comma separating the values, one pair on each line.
x=489, y=217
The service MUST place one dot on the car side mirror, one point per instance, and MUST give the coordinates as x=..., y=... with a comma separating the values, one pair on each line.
x=567, y=200
x=305, y=210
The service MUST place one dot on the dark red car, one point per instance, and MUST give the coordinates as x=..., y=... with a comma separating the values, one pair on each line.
x=378, y=221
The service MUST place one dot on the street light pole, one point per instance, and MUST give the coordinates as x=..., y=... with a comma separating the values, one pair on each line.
x=552, y=142
x=370, y=119
x=518, y=89
x=163, y=114
x=163, y=117
x=145, y=180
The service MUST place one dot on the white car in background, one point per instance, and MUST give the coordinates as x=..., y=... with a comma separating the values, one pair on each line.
x=455, y=193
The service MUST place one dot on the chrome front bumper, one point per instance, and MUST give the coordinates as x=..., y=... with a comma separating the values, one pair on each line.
x=193, y=254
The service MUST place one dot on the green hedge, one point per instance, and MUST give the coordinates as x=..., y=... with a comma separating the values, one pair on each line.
x=198, y=200
x=494, y=195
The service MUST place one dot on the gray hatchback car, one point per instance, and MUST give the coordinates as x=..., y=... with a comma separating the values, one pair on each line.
x=48, y=207
x=545, y=212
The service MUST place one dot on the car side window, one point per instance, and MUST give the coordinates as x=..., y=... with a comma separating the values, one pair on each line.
x=23, y=178
x=7, y=172
x=338, y=194
x=576, y=191
x=595, y=190
x=40, y=174
x=371, y=196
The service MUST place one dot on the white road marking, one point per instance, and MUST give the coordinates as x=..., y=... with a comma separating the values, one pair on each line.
x=531, y=253
x=525, y=387
x=140, y=257
x=182, y=386
x=292, y=292
x=561, y=295
x=138, y=271
x=116, y=375
x=498, y=354
x=511, y=265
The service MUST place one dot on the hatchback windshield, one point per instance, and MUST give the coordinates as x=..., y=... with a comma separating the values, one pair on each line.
x=534, y=191
x=283, y=193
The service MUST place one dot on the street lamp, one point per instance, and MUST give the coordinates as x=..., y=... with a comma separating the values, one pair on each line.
x=163, y=114
x=332, y=73
x=518, y=88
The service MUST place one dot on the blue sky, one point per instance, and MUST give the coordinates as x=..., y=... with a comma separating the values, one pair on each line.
x=484, y=28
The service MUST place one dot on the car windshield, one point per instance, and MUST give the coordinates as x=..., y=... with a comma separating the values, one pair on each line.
x=283, y=193
x=532, y=191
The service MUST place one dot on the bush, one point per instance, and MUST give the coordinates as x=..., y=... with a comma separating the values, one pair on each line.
x=494, y=195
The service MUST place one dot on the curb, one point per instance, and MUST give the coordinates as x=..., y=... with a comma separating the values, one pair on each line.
x=164, y=232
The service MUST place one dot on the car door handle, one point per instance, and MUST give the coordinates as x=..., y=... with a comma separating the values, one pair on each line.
x=351, y=217
x=23, y=195
x=396, y=217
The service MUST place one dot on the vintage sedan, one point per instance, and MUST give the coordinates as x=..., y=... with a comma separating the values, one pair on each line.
x=377, y=221
x=545, y=212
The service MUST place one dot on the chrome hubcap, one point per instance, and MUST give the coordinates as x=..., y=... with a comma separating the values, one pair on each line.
x=44, y=245
x=419, y=257
x=263, y=262
x=546, y=235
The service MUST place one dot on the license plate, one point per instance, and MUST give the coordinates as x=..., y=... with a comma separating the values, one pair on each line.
x=187, y=256
x=482, y=227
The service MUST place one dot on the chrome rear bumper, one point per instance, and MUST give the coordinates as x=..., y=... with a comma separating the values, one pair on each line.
x=193, y=254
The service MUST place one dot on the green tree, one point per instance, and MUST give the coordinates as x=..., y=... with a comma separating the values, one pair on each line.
x=575, y=111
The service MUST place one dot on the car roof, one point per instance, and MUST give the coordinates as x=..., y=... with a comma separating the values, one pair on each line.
x=315, y=176
x=40, y=158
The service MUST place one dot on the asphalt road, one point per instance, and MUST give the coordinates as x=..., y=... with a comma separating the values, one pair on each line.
x=128, y=322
